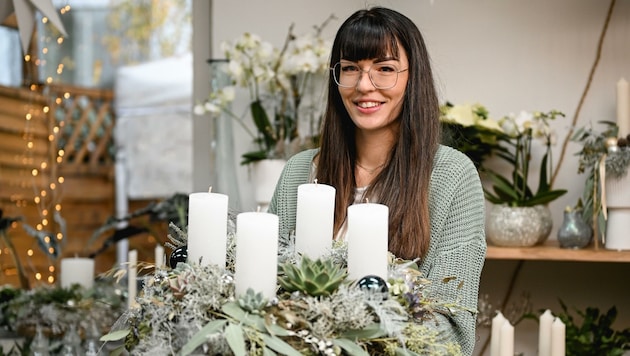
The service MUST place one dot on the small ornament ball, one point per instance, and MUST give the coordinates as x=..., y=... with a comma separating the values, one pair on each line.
x=178, y=255
x=373, y=283
x=611, y=144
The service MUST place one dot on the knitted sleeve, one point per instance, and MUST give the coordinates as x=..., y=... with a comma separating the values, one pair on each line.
x=284, y=200
x=458, y=246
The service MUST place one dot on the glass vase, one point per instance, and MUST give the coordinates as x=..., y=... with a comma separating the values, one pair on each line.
x=574, y=231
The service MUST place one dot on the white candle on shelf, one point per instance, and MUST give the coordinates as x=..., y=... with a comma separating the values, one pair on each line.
x=558, y=339
x=506, y=339
x=314, y=219
x=132, y=278
x=544, y=333
x=623, y=107
x=495, y=333
x=367, y=240
x=207, y=228
x=77, y=270
x=159, y=256
x=256, y=264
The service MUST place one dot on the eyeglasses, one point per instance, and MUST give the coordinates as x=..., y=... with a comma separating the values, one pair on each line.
x=382, y=75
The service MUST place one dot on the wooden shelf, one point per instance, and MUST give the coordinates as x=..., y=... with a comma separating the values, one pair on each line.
x=551, y=251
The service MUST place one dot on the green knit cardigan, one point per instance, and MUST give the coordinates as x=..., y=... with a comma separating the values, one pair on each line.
x=457, y=248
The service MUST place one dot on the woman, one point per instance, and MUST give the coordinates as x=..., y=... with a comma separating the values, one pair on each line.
x=380, y=141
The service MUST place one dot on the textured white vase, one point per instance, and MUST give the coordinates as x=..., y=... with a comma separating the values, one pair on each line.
x=618, y=208
x=265, y=176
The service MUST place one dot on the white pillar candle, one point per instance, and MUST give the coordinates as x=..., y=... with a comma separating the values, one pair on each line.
x=77, y=270
x=207, y=228
x=495, y=333
x=544, y=334
x=623, y=107
x=256, y=264
x=159, y=256
x=506, y=339
x=558, y=339
x=314, y=219
x=367, y=240
x=132, y=278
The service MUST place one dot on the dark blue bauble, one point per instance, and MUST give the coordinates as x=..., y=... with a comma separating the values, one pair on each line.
x=178, y=255
x=373, y=283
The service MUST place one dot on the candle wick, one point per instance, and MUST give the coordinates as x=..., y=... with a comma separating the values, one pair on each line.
x=210, y=189
x=367, y=200
x=258, y=209
x=315, y=180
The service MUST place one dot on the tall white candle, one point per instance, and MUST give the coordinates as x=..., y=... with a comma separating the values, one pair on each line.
x=159, y=256
x=207, y=228
x=76, y=270
x=623, y=107
x=544, y=333
x=495, y=333
x=256, y=264
x=367, y=240
x=558, y=339
x=506, y=340
x=314, y=219
x=132, y=278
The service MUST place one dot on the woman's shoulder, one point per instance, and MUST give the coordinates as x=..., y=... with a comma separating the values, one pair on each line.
x=450, y=159
x=303, y=157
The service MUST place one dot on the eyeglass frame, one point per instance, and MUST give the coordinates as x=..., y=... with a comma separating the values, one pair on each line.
x=361, y=76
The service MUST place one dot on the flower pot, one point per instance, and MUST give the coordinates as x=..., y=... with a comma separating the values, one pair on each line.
x=518, y=226
x=618, y=208
x=265, y=175
x=574, y=231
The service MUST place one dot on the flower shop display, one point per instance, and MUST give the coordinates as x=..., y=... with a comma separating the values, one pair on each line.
x=605, y=159
x=507, y=194
x=284, y=86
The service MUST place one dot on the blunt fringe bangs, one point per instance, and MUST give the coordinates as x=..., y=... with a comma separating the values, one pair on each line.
x=368, y=37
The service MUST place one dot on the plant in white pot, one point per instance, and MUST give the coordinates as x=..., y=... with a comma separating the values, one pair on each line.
x=284, y=86
x=520, y=216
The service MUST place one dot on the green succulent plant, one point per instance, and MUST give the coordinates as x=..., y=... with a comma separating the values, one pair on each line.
x=312, y=277
x=252, y=302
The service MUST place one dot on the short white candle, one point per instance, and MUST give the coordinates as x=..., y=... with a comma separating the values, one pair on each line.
x=623, y=107
x=207, y=228
x=544, y=333
x=367, y=240
x=256, y=264
x=558, y=339
x=76, y=270
x=314, y=219
x=506, y=343
x=159, y=256
x=495, y=333
x=132, y=278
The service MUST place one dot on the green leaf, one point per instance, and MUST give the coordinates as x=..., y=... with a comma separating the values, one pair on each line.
x=275, y=329
x=350, y=347
x=233, y=310
x=115, y=335
x=267, y=352
x=404, y=352
x=202, y=335
x=369, y=332
x=118, y=351
x=234, y=337
x=279, y=346
x=261, y=120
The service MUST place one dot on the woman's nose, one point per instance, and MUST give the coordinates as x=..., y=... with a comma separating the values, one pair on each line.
x=365, y=82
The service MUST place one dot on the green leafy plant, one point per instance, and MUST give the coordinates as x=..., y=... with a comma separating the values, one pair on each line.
x=515, y=147
x=594, y=335
x=469, y=129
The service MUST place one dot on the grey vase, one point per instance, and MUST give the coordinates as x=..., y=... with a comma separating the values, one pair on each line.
x=574, y=231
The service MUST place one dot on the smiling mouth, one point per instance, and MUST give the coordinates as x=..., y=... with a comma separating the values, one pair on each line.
x=368, y=104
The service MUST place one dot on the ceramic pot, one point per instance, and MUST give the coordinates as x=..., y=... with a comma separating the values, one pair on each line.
x=265, y=175
x=574, y=231
x=520, y=226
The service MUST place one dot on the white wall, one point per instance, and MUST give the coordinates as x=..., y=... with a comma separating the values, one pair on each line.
x=508, y=55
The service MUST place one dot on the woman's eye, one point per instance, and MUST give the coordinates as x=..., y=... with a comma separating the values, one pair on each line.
x=386, y=69
x=349, y=68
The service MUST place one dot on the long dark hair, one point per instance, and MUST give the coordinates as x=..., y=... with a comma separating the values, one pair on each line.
x=403, y=185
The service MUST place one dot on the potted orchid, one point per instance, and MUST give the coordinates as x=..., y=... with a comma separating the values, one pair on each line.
x=283, y=84
x=520, y=216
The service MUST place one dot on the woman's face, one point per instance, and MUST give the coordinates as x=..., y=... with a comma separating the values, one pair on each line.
x=370, y=108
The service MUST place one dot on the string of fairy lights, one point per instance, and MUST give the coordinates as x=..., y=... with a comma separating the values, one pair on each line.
x=44, y=175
